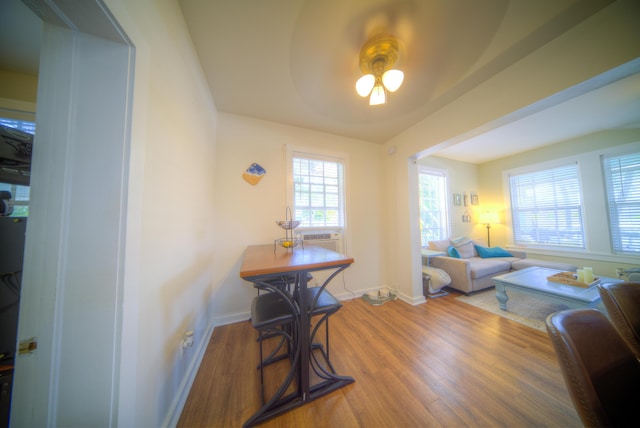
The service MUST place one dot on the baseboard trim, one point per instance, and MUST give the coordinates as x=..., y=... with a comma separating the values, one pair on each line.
x=414, y=301
x=177, y=405
x=233, y=318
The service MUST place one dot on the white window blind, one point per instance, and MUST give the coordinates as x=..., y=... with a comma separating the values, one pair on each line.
x=434, y=218
x=622, y=179
x=21, y=125
x=547, y=209
x=318, y=191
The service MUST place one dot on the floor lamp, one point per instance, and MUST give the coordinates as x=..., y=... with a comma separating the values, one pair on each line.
x=488, y=218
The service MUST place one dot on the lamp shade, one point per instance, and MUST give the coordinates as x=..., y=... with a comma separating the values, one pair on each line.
x=489, y=217
x=378, y=96
x=392, y=79
x=364, y=85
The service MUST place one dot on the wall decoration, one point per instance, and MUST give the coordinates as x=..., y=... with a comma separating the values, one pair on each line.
x=254, y=174
x=474, y=199
x=466, y=200
x=466, y=218
x=457, y=199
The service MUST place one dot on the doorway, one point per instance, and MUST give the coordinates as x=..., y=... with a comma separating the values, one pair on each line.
x=71, y=302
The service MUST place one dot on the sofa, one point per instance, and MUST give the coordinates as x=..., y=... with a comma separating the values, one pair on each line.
x=472, y=266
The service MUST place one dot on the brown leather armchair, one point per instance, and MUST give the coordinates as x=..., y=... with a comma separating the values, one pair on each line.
x=622, y=301
x=600, y=371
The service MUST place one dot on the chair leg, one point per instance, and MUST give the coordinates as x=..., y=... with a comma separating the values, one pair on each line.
x=318, y=368
x=272, y=357
x=287, y=335
x=261, y=369
x=326, y=337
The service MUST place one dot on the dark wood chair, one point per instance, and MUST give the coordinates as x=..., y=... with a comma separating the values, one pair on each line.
x=622, y=301
x=283, y=283
x=273, y=315
x=321, y=303
x=600, y=371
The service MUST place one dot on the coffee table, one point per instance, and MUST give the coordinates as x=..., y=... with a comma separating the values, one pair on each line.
x=533, y=281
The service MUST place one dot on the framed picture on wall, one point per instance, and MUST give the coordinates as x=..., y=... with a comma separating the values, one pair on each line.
x=474, y=199
x=457, y=199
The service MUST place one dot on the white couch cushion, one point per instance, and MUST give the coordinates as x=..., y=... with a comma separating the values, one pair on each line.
x=466, y=250
x=439, y=245
x=465, y=246
x=488, y=267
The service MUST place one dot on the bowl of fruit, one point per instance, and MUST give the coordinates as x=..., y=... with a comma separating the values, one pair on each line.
x=288, y=242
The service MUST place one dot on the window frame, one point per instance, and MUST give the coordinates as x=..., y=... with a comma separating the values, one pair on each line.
x=611, y=188
x=446, y=230
x=542, y=168
x=306, y=153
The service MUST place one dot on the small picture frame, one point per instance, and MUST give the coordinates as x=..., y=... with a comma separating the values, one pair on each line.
x=457, y=199
x=474, y=199
x=465, y=198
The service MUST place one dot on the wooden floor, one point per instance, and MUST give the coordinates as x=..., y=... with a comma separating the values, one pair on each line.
x=443, y=363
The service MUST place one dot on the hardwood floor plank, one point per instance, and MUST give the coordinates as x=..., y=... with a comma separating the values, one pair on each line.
x=444, y=363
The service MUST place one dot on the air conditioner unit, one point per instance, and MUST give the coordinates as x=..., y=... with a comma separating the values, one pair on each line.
x=329, y=240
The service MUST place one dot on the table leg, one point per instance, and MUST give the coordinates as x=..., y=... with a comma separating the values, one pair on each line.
x=501, y=295
x=303, y=336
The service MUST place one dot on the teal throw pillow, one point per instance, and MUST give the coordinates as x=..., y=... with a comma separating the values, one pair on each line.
x=486, y=252
x=453, y=252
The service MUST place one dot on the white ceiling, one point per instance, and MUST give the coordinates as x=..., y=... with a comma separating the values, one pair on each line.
x=613, y=106
x=296, y=62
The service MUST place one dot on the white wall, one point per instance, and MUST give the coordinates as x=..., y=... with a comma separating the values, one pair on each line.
x=18, y=93
x=246, y=214
x=170, y=238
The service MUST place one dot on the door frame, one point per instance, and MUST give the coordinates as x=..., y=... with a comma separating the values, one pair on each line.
x=73, y=277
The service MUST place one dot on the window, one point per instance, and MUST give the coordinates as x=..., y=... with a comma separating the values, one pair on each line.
x=546, y=206
x=622, y=180
x=19, y=198
x=21, y=125
x=19, y=193
x=318, y=191
x=434, y=218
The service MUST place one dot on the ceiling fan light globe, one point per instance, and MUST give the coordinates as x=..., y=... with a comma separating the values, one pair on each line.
x=392, y=79
x=364, y=85
x=378, y=96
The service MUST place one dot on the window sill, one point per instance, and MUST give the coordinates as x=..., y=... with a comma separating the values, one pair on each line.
x=576, y=254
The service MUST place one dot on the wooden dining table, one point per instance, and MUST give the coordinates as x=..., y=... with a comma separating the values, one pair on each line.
x=264, y=263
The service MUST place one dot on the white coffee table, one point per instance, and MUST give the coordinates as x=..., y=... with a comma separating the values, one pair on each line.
x=533, y=281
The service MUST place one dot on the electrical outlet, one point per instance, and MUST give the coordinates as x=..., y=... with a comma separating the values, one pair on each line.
x=187, y=339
